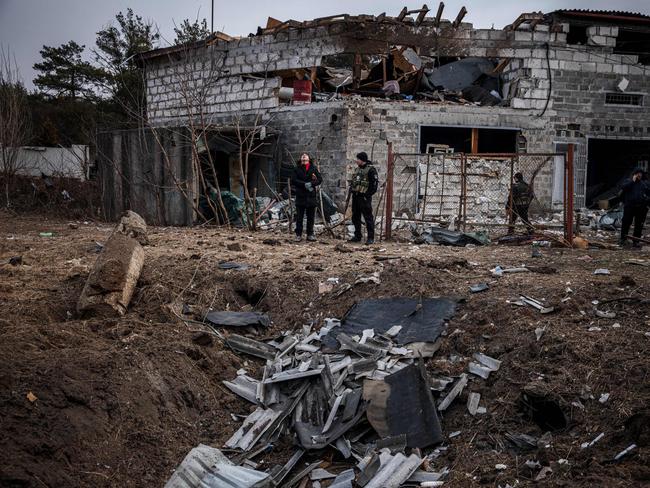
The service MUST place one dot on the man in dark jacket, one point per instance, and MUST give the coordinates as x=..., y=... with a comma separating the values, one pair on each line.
x=635, y=193
x=305, y=179
x=519, y=199
x=363, y=187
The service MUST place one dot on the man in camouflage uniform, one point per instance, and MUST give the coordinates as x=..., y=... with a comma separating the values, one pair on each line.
x=519, y=199
x=363, y=187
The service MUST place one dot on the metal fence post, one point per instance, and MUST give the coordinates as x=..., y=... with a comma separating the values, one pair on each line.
x=389, y=190
x=568, y=226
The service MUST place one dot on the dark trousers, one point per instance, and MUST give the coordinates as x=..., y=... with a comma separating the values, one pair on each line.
x=362, y=205
x=638, y=214
x=300, y=215
x=520, y=211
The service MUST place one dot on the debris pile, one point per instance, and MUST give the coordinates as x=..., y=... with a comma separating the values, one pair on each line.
x=357, y=388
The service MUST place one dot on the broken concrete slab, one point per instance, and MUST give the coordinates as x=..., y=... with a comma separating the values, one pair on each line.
x=112, y=281
x=133, y=225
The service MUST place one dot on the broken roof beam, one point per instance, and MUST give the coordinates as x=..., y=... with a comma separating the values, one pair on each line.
x=524, y=18
x=441, y=7
x=402, y=14
x=459, y=17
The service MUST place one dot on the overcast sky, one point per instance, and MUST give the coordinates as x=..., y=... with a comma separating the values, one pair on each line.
x=26, y=25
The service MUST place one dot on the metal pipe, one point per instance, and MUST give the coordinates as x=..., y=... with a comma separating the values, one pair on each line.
x=389, y=191
x=569, y=196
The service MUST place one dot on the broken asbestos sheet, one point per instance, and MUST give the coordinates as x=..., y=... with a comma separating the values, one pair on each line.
x=391, y=416
x=238, y=319
x=420, y=320
x=207, y=467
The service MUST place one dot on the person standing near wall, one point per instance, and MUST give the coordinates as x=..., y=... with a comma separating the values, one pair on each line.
x=635, y=193
x=305, y=180
x=519, y=200
x=363, y=186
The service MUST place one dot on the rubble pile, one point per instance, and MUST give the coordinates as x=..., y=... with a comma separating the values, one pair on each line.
x=356, y=391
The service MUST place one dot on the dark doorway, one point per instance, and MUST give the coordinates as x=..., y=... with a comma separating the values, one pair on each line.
x=221, y=162
x=609, y=161
x=460, y=139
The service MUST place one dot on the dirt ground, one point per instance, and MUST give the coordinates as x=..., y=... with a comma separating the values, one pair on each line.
x=119, y=402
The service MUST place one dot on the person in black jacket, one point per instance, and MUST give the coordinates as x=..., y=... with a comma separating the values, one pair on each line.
x=635, y=193
x=306, y=179
x=363, y=187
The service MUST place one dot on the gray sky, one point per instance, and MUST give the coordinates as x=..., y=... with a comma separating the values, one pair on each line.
x=26, y=25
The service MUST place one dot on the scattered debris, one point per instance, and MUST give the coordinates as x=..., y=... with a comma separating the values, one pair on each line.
x=31, y=397
x=473, y=400
x=602, y=271
x=585, y=445
x=625, y=452
x=456, y=390
x=479, y=287
x=340, y=247
x=231, y=265
x=238, y=319
x=15, y=260
x=536, y=304
x=603, y=398
x=448, y=237
x=605, y=315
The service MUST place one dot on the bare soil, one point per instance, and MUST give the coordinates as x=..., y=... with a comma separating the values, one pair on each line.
x=119, y=402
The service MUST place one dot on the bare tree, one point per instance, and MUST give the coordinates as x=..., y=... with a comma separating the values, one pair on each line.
x=15, y=127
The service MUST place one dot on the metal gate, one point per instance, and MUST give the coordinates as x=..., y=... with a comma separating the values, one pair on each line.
x=472, y=191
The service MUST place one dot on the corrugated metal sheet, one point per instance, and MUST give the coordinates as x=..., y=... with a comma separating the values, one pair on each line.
x=207, y=467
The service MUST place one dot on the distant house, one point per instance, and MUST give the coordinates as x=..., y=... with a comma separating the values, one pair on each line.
x=339, y=85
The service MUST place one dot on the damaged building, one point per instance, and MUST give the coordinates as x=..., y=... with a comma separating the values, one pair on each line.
x=335, y=86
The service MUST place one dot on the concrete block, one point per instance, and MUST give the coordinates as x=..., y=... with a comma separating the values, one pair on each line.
x=540, y=72
x=481, y=34
x=560, y=38
x=523, y=36
x=542, y=28
x=534, y=63
x=604, y=68
x=496, y=34
x=588, y=67
x=621, y=69
x=520, y=103
x=541, y=36
x=597, y=41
